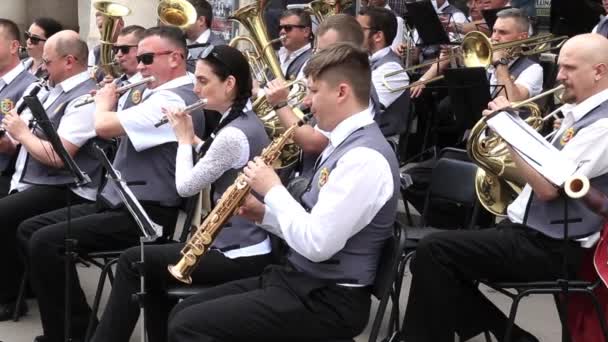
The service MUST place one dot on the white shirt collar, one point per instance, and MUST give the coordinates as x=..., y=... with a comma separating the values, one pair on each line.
x=380, y=53
x=283, y=52
x=349, y=125
x=440, y=9
x=203, y=37
x=11, y=75
x=174, y=83
x=71, y=83
x=580, y=110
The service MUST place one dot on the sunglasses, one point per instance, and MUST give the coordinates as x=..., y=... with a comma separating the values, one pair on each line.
x=210, y=53
x=289, y=27
x=33, y=38
x=148, y=57
x=124, y=49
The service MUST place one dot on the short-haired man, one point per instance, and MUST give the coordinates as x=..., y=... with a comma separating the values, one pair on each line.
x=94, y=57
x=146, y=160
x=295, y=27
x=200, y=32
x=398, y=39
x=125, y=53
x=325, y=292
x=40, y=183
x=528, y=245
x=390, y=107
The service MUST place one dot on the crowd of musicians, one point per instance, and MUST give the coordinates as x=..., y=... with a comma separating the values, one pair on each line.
x=288, y=265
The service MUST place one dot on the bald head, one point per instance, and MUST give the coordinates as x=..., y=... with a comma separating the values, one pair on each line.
x=68, y=42
x=590, y=47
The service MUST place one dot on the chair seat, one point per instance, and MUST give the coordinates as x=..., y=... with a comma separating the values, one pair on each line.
x=418, y=233
x=183, y=291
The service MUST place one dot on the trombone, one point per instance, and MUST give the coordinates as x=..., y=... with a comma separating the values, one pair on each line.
x=477, y=49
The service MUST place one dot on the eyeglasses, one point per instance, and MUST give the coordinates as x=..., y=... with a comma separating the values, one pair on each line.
x=33, y=38
x=47, y=62
x=209, y=52
x=290, y=27
x=124, y=49
x=148, y=57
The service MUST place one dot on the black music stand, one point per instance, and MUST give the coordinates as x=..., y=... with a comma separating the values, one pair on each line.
x=423, y=17
x=80, y=179
x=490, y=16
x=469, y=91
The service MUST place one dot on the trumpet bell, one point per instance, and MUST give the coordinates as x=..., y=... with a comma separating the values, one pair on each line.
x=179, y=13
x=476, y=50
x=111, y=9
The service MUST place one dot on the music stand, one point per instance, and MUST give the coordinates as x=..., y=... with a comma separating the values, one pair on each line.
x=80, y=179
x=469, y=91
x=490, y=16
x=423, y=17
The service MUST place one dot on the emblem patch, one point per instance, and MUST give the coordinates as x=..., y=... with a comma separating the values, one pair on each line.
x=568, y=134
x=6, y=106
x=136, y=96
x=323, y=176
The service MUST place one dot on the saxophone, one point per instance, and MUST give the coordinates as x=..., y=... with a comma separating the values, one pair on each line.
x=225, y=208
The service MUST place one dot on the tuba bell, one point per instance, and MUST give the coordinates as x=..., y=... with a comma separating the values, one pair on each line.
x=178, y=13
x=322, y=9
x=112, y=12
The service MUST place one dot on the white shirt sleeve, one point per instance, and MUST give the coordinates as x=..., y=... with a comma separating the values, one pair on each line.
x=385, y=96
x=77, y=124
x=138, y=121
x=531, y=79
x=229, y=150
x=347, y=203
x=595, y=29
x=589, y=148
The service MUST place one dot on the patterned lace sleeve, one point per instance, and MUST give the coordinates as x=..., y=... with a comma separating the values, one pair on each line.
x=229, y=150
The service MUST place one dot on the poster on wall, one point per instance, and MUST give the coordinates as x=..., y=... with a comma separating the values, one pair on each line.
x=222, y=9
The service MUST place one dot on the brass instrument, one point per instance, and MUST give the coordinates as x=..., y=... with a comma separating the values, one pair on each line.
x=497, y=181
x=251, y=17
x=178, y=13
x=188, y=109
x=225, y=208
x=322, y=9
x=112, y=11
x=258, y=69
x=121, y=90
x=476, y=51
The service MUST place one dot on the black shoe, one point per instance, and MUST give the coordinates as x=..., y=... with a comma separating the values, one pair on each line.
x=7, y=310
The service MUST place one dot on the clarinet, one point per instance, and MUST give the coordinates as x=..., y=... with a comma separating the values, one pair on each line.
x=41, y=84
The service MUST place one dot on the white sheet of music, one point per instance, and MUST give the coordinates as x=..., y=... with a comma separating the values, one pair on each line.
x=532, y=147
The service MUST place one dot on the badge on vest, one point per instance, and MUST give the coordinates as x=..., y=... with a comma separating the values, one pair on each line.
x=136, y=96
x=567, y=136
x=323, y=176
x=6, y=106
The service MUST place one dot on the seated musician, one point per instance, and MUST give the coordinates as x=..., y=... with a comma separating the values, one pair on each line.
x=324, y=293
x=40, y=183
x=398, y=39
x=200, y=32
x=125, y=55
x=35, y=37
x=602, y=26
x=145, y=158
x=528, y=246
x=295, y=25
x=390, y=108
x=241, y=249
x=480, y=24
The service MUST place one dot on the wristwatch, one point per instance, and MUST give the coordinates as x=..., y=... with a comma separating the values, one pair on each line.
x=501, y=61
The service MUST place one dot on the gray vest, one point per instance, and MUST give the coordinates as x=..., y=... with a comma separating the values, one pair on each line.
x=134, y=96
x=239, y=232
x=520, y=65
x=602, y=27
x=393, y=119
x=548, y=217
x=357, y=262
x=34, y=172
x=296, y=65
x=150, y=174
x=9, y=96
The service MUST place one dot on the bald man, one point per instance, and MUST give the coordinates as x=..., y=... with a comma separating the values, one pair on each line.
x=40, y=182
x=528, y=245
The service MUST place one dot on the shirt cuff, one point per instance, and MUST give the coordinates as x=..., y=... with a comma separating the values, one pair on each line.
x=277, y=197
x=270, y=221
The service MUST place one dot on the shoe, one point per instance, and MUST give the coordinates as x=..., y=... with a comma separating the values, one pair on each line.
x=7, y=310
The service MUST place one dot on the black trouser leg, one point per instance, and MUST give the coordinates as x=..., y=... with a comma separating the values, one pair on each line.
x=121, y=313
x=443, y=299
x=13, y=210
x=94, y=230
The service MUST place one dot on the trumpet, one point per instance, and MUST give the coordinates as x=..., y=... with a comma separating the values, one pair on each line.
x=188, y=109
x=121, y=90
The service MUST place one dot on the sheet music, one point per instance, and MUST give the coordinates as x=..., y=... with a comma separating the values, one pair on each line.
x=533, y=147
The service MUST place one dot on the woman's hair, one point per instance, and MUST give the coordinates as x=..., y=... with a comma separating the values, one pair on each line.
x=225, y=61
x=50, y=26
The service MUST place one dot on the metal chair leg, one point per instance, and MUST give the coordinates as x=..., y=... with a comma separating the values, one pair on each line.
x=100, y=285
x=511, y=321
x=20, y=295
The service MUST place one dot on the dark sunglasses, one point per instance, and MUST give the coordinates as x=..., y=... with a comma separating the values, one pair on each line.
x=210, y=53
x=148, y=57
x=124, y=49
x=34, y=39
x=288, y=27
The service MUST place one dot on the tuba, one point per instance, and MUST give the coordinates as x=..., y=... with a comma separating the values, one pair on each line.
x=322, y=9
x=498, y=181
x=265, y=58
x=112, y=11
x=178, y=13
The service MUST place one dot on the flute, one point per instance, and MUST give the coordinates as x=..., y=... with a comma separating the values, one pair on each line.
x=121, y=90
x=196, y=105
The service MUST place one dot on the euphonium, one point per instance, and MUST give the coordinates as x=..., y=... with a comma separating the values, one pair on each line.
x=498, y=181
x=112, y=11
x=322, y=9
x=224, y=209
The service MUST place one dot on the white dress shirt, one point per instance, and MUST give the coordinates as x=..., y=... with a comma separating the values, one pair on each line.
x=76, y=126
x=531, y=78
x=588, y=148
x=138, y=121
x=286, y=57
x=357, y=188
x=202, y=38
x=121, y=101
x=10, y=76
x=400, y=80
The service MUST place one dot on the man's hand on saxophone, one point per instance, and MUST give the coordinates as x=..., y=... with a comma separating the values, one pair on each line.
x=260, y=177
x=252, y=209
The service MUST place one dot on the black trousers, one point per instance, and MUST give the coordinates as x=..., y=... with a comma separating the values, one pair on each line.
x=94, y=229
x=14, y=209
x=280, y=305
x=443, y=298
x=121, y=312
